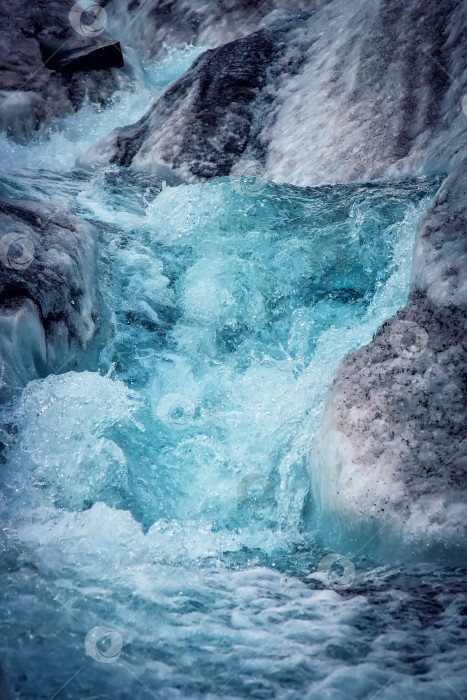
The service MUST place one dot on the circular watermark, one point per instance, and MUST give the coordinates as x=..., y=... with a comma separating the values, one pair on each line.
x=176, y=411
x=326, y=254
x=464, y=104
x=81, y=11
x=408, y=338
x=146, y=354
x=338, y=571
x=16, y=251
x=255, y=491
x=103, y=644
x=328, y=258
x=249, y=178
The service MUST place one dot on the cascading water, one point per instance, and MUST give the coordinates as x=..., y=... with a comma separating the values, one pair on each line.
x=159, y=506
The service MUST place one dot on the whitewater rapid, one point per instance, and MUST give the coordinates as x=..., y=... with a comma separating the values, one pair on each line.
x=162, y=538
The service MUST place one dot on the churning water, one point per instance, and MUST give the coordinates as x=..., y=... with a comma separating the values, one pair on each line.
x=160, y=538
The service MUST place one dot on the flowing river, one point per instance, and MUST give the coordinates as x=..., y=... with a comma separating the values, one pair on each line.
x=161, y=538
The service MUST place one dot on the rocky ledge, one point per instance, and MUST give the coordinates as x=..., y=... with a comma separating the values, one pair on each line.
x=350, y=93
x=50, y=308
x=390, y=458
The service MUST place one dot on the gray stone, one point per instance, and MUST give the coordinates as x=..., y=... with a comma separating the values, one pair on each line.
x=50, y=313
x=391, y=451
x=353, y=92
x=33, y=87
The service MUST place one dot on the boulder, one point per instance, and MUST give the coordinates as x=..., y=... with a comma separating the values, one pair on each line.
x=50, y=311
x=52, y=56
x=389, y=462
x=353, y=92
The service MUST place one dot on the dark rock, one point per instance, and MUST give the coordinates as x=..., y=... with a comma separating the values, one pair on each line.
x=84, y=58
x=206, y=119
x=37, y=84
x=353, y=92
x=50, y=311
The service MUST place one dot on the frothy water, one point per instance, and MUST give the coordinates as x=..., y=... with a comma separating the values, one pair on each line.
x=58, y=145
x=161, y=540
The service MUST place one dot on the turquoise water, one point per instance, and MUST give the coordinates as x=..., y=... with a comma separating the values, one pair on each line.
x=160, y=538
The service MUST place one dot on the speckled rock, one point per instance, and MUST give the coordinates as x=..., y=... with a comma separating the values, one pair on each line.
x=391, y=451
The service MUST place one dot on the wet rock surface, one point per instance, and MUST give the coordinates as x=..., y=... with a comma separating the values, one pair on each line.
x=50, y=307
x=155, y=24
x=344, y=94
x=207, y=119
x=98, y=56
x=47, y=66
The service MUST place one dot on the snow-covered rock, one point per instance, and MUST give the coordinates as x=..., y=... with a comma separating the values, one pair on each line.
x=390, y=458
x=352, y=92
